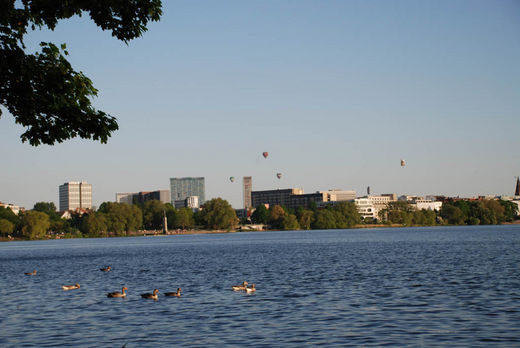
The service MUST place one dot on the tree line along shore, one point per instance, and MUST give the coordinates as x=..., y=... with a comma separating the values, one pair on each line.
x=217, y=215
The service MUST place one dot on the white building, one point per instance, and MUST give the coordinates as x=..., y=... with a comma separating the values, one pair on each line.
x=370, y=206
x=14, y=208
x=339, y=195
x=427, y=204
x=190, y=202
x=365, y=208
x=75, y=195
x=420, y=203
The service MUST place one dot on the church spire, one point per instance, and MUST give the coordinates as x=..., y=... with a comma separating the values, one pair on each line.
x=517, y=191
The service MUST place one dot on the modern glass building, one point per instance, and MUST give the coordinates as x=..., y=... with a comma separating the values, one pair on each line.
x=182, y=188
x=143, y=196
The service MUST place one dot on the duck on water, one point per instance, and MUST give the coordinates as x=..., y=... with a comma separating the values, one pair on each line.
x=240, y=287
x=251, y=289
x=152, y=296
x=70, y=287
x=117, y=293
x=175, y=294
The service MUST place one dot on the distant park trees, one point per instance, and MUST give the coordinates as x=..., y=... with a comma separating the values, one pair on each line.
x=218, y=214
x=121, y=219
x=260, y=215
x=34, y=224
x=479, y=212
x=6, y=227
x=8, y=215
x=185, y=218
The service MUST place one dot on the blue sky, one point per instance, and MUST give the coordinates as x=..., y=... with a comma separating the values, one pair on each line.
x=336, y=91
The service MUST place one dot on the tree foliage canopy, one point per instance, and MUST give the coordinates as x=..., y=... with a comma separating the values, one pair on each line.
x=260, y=215
x=481, y=212
x=6, y=226
x=219, y=214
x=185, y=218
x=48, y=208
x=7, y=213
x=121, y=217
x=42, y=90
x=34, y=224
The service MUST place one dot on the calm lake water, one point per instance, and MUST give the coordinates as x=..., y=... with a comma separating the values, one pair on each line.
x=441, y=286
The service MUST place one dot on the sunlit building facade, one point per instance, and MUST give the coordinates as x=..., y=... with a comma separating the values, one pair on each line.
x=75, y=195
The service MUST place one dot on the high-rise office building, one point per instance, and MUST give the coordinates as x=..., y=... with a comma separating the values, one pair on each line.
x=291, y=198
x=75, y=195
x=517, y=190
x=248, y=187
x=143, y=196
x=182, y=188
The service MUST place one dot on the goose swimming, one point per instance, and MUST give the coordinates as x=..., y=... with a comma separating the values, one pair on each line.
x=70, y=287
x=240, y=287
x=117, y=293
x=176, y=294
x=152, y=296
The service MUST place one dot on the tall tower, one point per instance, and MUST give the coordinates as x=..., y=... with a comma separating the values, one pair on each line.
x=517, y=191
x=248, y=187
x=74, y=195
x=182, y=188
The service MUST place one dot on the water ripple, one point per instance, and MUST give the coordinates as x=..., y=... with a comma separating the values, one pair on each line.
x=388, y=287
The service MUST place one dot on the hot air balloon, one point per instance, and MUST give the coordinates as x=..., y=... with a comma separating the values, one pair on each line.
x=403, y=163
x=265, y=154
x=232, y=179
x=279, y=175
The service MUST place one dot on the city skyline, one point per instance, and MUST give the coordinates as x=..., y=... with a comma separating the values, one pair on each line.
x=338, y=93
x=123, y=197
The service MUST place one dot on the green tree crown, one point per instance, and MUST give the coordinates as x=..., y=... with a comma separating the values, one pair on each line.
x=42, y=90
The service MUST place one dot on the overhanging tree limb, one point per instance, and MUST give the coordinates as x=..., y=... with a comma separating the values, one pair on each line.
x=42, y=90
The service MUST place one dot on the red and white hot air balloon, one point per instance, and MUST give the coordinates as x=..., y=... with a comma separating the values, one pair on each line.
x=265, y=154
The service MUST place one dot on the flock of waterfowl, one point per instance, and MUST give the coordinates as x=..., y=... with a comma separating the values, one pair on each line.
x=244, y=287
x=154, y=294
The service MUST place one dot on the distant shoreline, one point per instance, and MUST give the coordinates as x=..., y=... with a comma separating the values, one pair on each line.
x=191, y=232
